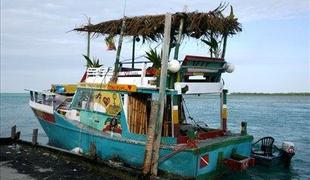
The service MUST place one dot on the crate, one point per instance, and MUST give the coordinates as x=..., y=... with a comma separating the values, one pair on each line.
x=239, y=162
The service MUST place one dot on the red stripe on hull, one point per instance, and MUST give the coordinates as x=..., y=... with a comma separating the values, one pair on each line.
x=44, y=116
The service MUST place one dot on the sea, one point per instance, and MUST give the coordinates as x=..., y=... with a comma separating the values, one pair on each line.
x=284, y=117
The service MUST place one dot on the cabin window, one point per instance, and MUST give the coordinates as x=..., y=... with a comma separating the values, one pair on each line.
x=82, y=99
x=99, y=101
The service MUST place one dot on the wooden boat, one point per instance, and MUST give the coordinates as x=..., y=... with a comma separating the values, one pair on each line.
x=267, y=154
x=115, y=113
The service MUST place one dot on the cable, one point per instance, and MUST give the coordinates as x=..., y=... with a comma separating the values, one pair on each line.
x=191, y=118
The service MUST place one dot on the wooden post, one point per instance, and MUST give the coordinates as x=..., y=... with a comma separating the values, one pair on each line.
x=13, y=132
x=224, y=110
x=177, y=46
x=162, y=94
x=35, y=136
x=150, y=139
x=243, y=128
x=17, y=135
x=118, y=52
x=88, y=39
x=133, y=52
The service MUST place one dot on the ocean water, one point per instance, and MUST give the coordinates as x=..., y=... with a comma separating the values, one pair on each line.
x=285, y=117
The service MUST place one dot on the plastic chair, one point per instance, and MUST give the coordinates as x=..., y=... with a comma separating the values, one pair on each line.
x=266, y=145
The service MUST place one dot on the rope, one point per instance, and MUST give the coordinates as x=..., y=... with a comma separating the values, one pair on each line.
x=191, y=118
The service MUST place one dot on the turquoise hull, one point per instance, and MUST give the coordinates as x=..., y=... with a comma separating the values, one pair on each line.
x=66, y=134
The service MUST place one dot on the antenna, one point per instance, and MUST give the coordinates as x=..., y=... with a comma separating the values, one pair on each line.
x=124, y=12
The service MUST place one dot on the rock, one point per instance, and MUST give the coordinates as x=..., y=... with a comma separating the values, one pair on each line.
x=45, y=154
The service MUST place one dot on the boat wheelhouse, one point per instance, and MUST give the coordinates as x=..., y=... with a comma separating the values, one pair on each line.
x=114, y=113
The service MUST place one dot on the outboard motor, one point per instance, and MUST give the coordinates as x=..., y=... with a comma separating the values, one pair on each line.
x=289, y=151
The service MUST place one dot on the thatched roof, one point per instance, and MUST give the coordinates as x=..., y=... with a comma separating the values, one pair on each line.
x=196, y=24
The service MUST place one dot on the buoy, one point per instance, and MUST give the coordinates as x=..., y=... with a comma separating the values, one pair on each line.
x=174, y=66
x=229, y=67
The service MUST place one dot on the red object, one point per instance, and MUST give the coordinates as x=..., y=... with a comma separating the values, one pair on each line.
x=151, y=71
x=239, y=165
x=224, y=124
x=191, y=143
x=84, y=77
x=44, y=116
x=204, y=161
x=201, y=135
x=211, y=134
x=182, y=139
x=200, y=58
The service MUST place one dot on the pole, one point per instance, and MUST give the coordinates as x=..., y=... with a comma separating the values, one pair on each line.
x=35, y=136
x=133, y=52
x=88, y=39
x=150, y=139
x=13, y=132
x=224, y=110
x=118, y=52
x=162, y=94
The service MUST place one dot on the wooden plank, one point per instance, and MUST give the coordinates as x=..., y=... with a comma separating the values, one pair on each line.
x=162, y=94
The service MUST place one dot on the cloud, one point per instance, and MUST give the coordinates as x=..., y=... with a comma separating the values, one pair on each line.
x=33, y=33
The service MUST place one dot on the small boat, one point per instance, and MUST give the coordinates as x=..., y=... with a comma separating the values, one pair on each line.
x=122, y=113
x=267, y=154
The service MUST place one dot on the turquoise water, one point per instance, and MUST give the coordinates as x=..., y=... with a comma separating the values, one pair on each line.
x=286, y=118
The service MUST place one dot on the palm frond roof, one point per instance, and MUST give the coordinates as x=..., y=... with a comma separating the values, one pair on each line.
x=196, y=25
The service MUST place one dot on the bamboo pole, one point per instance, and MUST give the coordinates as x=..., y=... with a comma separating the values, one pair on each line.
x=150, y=139
x=88, y=38
x=162, y=94
x=224, y=46
x=118, y=52
x=133, y=52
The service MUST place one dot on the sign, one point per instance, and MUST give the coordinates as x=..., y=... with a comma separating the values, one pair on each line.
x=112, y=87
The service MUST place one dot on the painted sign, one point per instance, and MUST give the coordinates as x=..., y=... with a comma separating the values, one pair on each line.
x=107, y=102
x=113, y=87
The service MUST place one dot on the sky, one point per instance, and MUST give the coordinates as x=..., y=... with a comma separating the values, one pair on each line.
x=38, y=48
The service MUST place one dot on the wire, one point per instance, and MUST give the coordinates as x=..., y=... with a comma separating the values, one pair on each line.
x=124, y=12
x=191, y=118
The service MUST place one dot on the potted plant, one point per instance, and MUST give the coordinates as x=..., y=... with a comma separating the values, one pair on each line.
x=155, y=58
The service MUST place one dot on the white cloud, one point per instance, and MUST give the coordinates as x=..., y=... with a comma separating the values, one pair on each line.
x=34, y=32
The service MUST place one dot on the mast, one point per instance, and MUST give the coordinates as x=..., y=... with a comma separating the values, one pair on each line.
x=118, y=52
x=88, y=38
x=162, y=94
x=133, y=52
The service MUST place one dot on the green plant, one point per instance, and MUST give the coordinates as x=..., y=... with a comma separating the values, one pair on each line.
x=94, y=63
x=110, y=43
x=214, y=46
x=154, y=57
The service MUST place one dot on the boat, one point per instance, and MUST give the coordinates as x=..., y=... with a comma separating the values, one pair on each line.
x=266, y=153
x=136, y=114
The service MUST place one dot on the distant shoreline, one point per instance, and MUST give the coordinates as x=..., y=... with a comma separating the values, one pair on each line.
x=234, y=93
x=273, y=94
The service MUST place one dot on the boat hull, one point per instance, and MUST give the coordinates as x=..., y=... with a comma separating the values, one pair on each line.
x=188, y=163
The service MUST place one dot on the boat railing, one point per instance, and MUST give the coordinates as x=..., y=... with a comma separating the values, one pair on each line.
x=44, y=98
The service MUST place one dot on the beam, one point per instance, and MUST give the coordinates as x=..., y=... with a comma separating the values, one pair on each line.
x=162, y=94
x=118, y=52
